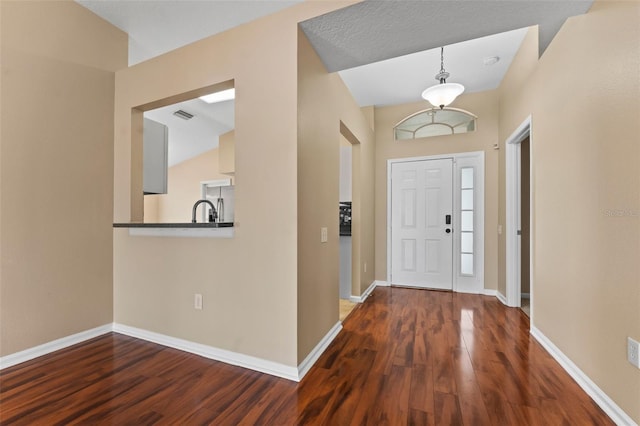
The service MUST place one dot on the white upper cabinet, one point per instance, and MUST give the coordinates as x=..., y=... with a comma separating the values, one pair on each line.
x=155, y=145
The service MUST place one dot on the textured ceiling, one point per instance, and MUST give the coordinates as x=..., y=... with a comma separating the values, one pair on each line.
x=376, y=30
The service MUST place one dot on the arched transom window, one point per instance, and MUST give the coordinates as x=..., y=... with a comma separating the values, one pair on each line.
x=435, y=122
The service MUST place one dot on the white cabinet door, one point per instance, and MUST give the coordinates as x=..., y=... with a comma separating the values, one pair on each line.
x=155, y=157
x=421, y=239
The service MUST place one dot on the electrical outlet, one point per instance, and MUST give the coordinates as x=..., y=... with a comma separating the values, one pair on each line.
x=197, y=301
x=633, y=352
x=324, y=235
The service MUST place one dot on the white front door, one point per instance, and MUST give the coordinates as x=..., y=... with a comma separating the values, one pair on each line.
x=421, y=229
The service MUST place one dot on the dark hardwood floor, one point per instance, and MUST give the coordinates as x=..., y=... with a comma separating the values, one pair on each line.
x=404, y=357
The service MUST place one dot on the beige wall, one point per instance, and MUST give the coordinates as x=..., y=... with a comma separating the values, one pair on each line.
x=584, y=99
x=227, y=153
x=515, y=81
x=183, y=182
x=366, y=192
x=249, y=283
x=326, y=111
x=485, y=106
x=58, y=62
x=152, y=209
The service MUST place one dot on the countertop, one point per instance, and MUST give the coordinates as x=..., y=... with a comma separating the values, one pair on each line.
x=175, y=225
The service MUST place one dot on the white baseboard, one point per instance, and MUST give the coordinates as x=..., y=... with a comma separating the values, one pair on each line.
x=55, y=345
x=490, y=292
x=367, y=292
x=223, y=355
x=502, y=298
x=228, y=357
x=599, y=397
x=313, y=356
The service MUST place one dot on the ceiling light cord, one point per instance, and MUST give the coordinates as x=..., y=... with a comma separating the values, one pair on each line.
x=442, y=76
x=442, y=71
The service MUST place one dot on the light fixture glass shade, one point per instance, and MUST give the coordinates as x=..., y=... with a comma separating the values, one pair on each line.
x=442, y=94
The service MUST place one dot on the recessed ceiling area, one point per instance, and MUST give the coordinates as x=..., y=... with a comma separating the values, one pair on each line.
x=402, y=79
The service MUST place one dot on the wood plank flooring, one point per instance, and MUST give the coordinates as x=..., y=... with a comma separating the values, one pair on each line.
x=405, y=356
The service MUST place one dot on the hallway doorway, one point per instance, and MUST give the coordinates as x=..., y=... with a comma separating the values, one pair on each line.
x=519, y=241
x=525, y=220
x=345, y=210
x=348, y=208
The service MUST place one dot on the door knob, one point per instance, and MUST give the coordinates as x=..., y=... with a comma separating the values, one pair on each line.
x=448, y=230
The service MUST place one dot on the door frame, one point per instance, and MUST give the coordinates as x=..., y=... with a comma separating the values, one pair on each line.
x=513, y=177
x=460, y=284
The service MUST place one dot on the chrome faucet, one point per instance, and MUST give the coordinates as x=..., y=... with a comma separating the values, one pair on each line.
x=195, y=207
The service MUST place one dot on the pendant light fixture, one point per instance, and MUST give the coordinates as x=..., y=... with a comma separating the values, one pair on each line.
x=444, y=93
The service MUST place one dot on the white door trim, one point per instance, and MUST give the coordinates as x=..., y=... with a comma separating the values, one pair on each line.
x=460, y=284
x=513, y=205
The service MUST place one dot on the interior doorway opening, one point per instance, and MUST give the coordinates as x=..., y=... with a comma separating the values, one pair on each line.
x=525, y=228
x=345, y=207
x=519, y=226
x=349, y=208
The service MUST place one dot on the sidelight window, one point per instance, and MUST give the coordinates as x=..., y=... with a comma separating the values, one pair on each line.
x=466, y=221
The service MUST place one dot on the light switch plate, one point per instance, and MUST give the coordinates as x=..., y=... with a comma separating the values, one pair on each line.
x=324, y=235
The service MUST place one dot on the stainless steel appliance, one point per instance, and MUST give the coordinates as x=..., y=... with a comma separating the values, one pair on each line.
x=345, y=218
